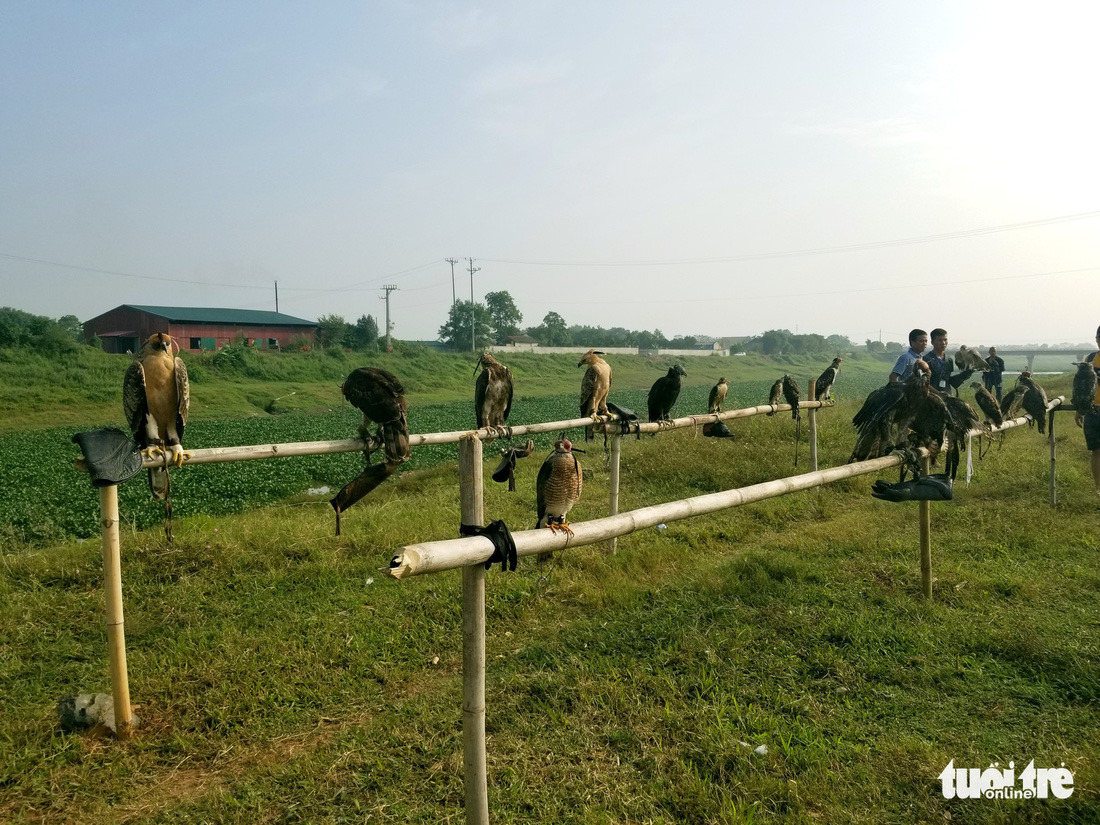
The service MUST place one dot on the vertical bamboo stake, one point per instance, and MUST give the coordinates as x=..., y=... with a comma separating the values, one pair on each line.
x=471, y=493
x=1053, y=461
x=813, y=428
x=925, y=514
x=116, y=632
x=613, y=506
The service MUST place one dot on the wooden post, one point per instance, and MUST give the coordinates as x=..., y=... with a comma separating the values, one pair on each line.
x=613, y=506
x=471, y=496
x=925, y=513
x=813, y=427
x=116, y=633
x=1053, y=460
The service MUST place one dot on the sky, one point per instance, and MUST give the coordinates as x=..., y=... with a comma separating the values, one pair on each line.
x=717, y=168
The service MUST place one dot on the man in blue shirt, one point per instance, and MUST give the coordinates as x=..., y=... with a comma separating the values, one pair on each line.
x=918, y=340
x=941, y=365
x=1090, y=421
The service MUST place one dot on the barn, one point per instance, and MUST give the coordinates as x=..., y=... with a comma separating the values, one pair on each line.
x=123, y=328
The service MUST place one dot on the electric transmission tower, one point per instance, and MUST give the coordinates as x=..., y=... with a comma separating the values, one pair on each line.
x=389, y=325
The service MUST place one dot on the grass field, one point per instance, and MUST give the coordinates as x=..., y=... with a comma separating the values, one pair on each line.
x=282, y=677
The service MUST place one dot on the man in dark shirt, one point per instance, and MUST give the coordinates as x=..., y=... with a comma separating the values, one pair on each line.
x=992, y=377
x=941, y=364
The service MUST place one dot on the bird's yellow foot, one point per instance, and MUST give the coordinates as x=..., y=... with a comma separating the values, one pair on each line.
x=178, y=455
x=560, y=525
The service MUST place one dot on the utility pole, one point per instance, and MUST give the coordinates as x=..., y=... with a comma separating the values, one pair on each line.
x=454, y=295
x=276, y=296
x=473, y=314
x=389, y=288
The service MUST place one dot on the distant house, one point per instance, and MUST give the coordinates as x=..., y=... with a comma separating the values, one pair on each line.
x=522, y=342
x=124, y=328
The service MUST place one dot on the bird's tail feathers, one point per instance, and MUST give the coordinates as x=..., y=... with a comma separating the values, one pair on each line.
x=159, y=483
x=395, y=441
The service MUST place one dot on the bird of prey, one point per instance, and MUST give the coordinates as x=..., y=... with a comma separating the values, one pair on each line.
x=1035, y=401
x=717, y=396
x=823, y=387
x=791, y=394
x=1010, y=403
x=664, y=392
x=1084, y=388
x=594, y=387
x=380, y=397
x=987, y=404
x=156, y=398
x=492, y=393
x=775, y=394
x=558, y=488
x=889, y=408
x=967, y=358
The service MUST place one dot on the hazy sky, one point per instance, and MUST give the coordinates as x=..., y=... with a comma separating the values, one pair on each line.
x=637, y=164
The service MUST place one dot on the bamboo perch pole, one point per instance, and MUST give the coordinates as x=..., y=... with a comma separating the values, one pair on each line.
x=613, y=483
x=1053, y=460
x=471, y=497
x=812, y=416
x=116, y=633
x=707, y=418
x=924, y=515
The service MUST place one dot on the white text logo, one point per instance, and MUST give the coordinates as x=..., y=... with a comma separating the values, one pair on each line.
x=994, y=783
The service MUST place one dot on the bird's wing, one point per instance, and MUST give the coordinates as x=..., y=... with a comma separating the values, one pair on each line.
x=183, y=391
x=713, y=398
x=481, y=387
x=509, y=389
x=376, y=393
x=588, y=389
x=540, y=486
x=134, y=403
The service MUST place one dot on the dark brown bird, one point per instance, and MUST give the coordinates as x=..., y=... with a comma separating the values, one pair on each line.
x=987, y=404
x=775, y=394
x=664, y=392
x=791, y=394
x=1084, y=388
x=381, y=398
x=717, y=396
x=883, y=420
x=558, y=488
x=595, y=386
x=1011, y=401
x=823, y=387
x=492, y=393
x=1035, y=401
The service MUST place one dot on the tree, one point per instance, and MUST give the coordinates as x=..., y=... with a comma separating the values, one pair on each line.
x=554, y=332
x=456, y=332
x=775, y=341
x=71, y=324
x=364, y=335
x=331, y=331
x=506, y=316
x=875, y=346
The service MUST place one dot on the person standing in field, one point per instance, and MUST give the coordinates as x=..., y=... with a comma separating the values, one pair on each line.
x=993, y=377
x=942, y=365
x=903, y=367
x=1090, y=421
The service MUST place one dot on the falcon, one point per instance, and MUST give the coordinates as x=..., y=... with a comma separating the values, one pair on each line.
x=717, y=396
x=558, y=488
x=492, y=393
x=967, y=358
x=664, y=392
x=823, y=387
x=791, y=394
x=594, y=387
x=380, y=397
x=1084, y=388
x=775, y=394
x=1035, y=401
x=987, y=404
x=156, y=398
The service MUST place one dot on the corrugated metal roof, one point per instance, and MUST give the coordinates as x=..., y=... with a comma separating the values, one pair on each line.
x=217, y=315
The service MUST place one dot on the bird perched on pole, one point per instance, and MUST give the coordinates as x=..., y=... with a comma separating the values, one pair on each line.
x=883, y=420
x=987, y=404
x=558, y=488
x=717, y=396
x=823, y=387
x=1010, y=403
x=967, y=358
x=492, y=393
x=791, y=394
x=156, y=398
x=1035, y=401
x=1084, y=388
x=664, y=392
x=594, y=387
x=380, y=397
x=775, y=394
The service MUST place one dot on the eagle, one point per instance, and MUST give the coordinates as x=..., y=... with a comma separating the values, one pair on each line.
x=987, y=404
x=791, y=394
x=775, y=394
x=1010, y=403
x=1084, y=388
x=887, y=409
x=664, y=392
x=823, y=387
x=717, y=396
x=594, y=387
x=971, y=359
x=1035, y=401
x=380, y=397
x=156, y=398
x=492, y=393
x=558, y=488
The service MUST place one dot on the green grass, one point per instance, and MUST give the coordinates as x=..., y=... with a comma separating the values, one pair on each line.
x=282, y=677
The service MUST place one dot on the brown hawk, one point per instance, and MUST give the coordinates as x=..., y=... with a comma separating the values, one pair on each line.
x=492, y=393
x=987, y=404
x=717, y=396
x=1035, y=401
x=775, y=394
x=823, y=387
x=664, y=392
x=558, y=488
x=791, y=394
x=156, y=398
x=594, y=387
